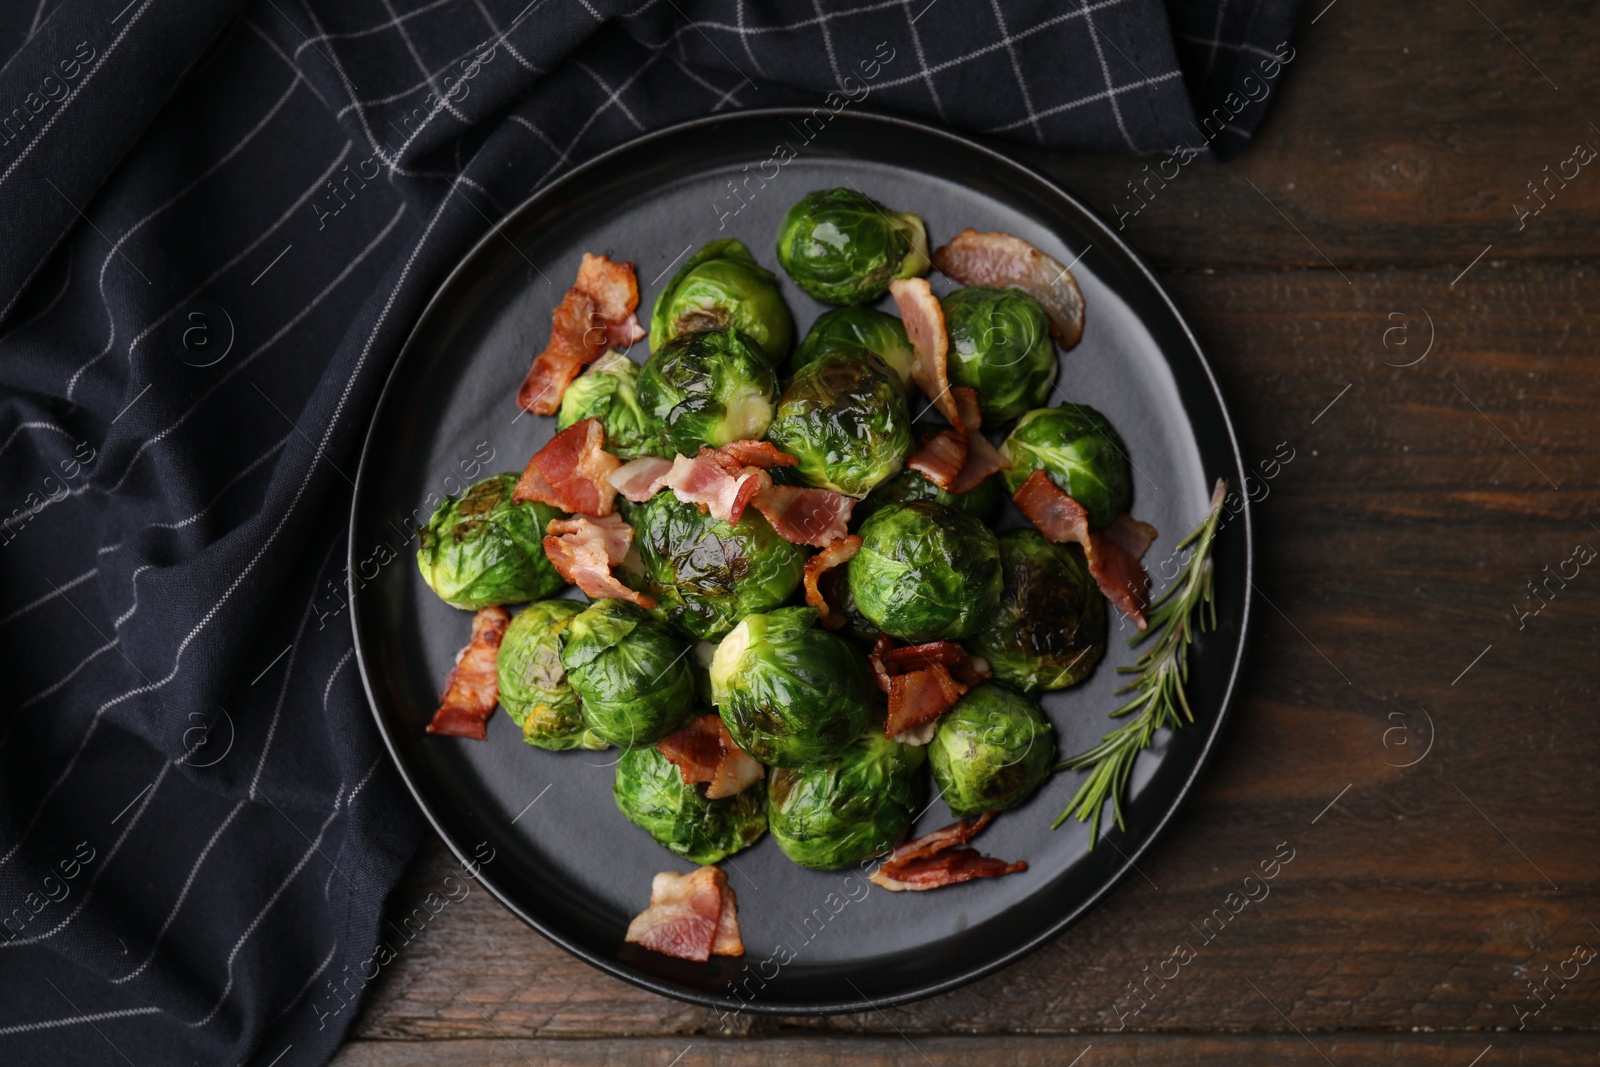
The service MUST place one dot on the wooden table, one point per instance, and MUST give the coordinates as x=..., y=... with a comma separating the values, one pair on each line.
x=1365, y=293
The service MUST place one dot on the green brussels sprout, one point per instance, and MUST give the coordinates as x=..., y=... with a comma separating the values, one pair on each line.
x=991, y=751
x=858, y=804
x=707, y=575
x=844, y=248
x=982, y=503
x=789, y=691
x=845, y=420
x=629, y=671
x=485, y=548
x=653, y=795
x=1081, y=453
x=720, y=286
x=608, y=391
x=1000, y=346
x=926, y=572
x=708, y=388
x=1050, y=628
x=878, y=332
x=533, y=685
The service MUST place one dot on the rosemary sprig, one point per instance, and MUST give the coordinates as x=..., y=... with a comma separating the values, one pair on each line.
x=1163, y=671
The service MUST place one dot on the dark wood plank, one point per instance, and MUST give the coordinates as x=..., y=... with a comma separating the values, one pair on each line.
x=1131, y=1050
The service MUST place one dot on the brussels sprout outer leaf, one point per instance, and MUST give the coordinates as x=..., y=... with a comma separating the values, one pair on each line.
x=1000, y=347
x=629, y=671
x=991, y=751
x=844, y=248
x=858, y=804
x=926, y=572
x=721, y=285
x=844, y=418
x=1083, y=455
x=533, y=684
x=653, y=795
x=484, y=548
x=1050, y=628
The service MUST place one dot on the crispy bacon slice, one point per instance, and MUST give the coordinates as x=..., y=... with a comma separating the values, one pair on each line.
x=583, y=551
x=941, y=458
x=685, y=916
x=572, y=472
x=472, y=688
x=615, y=291
x=1112, y=555
x=880, y=670
x=717, y=484
x=805, y=516
x=640, y=479
x=923, y=319
x=940, y=859
x=763, y=454
x=728, y=942
x=836, y=554
x=928, y=654
x=983, y=459
x=704, y=751
x=999, y=259
x=916, y=700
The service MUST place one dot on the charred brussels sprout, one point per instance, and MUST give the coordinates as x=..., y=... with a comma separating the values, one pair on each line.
x=653, y=795
x=487, y=549
x=991, y=751
x=844, y=248
x=533, y=685
x=608, y=391
x=708, y=388
x=707, y=575
x=982, y=503
x=845, y=419
x=789, y=691
x=858, y=804
x=629, y=671
x=1000, y=346
x=1080, y=452
x=1050, y=628
x=878, y=332
x=720, y=286
x=925, y=572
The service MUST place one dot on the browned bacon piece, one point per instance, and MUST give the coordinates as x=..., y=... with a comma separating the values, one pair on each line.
x=596, y=313
x=941, y=458
x=983, y=459
x=472, y=688
x=999, y=259
x=923, y=319
x=572, y=472
x=836, y=554
x=916, y=700
x=691, y=917
x=916, y=657
x=704, y=751
x=584, y=550
x=640, y=479
x=805, y=516
x=763, y=454
x=940, y=859
x=716, y=483
x=615, y=292
x=1112, y=555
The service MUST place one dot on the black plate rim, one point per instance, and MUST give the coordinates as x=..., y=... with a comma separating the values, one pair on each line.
x=969, y=974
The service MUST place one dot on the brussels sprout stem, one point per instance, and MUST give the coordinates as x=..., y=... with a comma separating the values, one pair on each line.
x=1162, y=672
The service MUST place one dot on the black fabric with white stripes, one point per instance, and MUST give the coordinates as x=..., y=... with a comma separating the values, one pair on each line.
x=221, y=221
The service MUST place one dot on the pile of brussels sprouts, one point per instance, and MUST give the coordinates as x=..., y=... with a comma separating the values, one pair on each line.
x=728, y=631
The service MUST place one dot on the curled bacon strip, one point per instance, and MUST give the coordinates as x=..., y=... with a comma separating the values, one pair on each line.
x=704, y=751
x=1112, y=555
x=596, y=313
x=923, y=319
x=691, y=916
x=805, y=516
x=923, y=682
x=941, y=859
x=999, y=259
x=572, y=472
x=584, y=550
x=473, y=688
x=640, y=479
x=941, y=458
x=763, y=454
x=716, y=483
x=983, y=459
x=836, y=554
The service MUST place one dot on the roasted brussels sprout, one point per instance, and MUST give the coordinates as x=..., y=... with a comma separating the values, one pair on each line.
x=926, y=572
x=845, y=419
x=653, y=795
x=982, y=503
x=858, y=804
x=629, y=671
x=708, y=388
x=878, y=332
x=844, y=248
x=1050, y=628
x=720, y=286
x=1080, y=452
x=707, y=575
x=1000, y=346
x=533, y=685
x=487, y=549
x=789, y=691
x=991, y=751
x=608, y=391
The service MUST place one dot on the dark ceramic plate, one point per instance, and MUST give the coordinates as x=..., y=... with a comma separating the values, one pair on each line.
x=565, y=860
